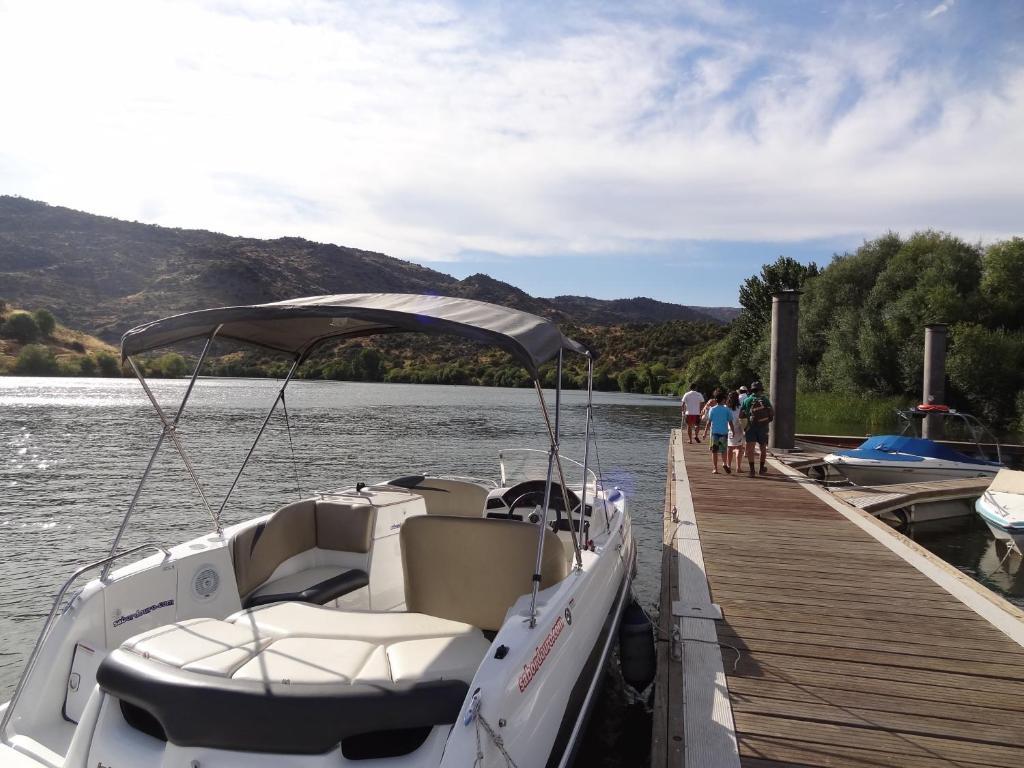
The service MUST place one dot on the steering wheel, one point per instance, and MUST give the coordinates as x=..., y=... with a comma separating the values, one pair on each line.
x=531, y=492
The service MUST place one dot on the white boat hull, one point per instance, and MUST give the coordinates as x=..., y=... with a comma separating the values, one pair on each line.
x=872, y=472
x=1003, y=513
x=539, y=716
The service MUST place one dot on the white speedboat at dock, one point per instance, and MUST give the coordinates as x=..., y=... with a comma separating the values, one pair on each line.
x=905, y=458
x=423, y=620
x=1002, y=507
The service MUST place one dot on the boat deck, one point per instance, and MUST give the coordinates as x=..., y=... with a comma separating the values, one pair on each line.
x=840, y=644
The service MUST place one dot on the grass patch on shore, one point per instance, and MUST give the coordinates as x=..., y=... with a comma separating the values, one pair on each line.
x=833, y=413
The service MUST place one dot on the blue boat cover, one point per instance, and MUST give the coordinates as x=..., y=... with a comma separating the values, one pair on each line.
x=903, y=448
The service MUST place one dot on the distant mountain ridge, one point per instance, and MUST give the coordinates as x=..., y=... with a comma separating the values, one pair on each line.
x=105, y=275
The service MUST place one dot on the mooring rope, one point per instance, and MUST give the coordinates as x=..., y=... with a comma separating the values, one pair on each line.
x=496, y=739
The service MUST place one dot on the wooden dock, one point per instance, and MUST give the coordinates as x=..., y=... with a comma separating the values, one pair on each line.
x=841, y=643
x=878, y=499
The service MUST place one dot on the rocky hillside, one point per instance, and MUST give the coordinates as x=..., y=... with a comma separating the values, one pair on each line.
x=105, y=275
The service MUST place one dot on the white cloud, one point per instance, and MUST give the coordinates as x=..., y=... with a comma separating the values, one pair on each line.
x=940, y=9
x=424, y=130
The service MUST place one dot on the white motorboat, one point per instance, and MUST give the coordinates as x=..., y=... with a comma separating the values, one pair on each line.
x=421, y=621
x=905, y=458
x=1002, y=507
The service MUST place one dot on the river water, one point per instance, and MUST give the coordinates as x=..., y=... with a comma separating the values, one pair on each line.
x=72, y=451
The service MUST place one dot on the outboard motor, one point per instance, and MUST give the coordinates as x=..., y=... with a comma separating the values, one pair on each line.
x=636, y=647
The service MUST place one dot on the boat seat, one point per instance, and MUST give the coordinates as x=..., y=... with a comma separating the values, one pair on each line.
x=446, y=496
x=306, y=538
x=294, y=678
x=472, y=570
x=313, y=585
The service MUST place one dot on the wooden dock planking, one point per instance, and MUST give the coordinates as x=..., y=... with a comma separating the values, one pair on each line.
x=877, y=499
x=837, y=651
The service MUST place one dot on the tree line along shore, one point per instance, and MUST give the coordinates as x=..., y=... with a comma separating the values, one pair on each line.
x=862, y=321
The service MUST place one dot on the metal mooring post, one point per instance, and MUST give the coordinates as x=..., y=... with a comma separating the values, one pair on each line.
x=934, y=387
x=782, y=389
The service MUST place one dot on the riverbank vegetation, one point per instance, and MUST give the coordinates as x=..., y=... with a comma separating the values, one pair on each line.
x=862, y=320
x=35, y=344
x=640, y=358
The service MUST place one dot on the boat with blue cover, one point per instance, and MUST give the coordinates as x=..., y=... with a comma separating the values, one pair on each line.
x=885, y=459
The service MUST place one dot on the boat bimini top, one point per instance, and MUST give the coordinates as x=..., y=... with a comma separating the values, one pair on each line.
x=298, y=326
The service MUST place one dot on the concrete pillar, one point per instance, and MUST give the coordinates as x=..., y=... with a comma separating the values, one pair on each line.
x=934, y=388
x=785, y=313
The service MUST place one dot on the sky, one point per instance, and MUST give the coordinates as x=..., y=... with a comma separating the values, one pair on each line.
x=663, y=149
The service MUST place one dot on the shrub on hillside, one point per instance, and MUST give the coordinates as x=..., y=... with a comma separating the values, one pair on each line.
x=45, y=321
x=21, y=327
x=170, y=365
x=108, y=365
x=87, y=366
x=36, y=360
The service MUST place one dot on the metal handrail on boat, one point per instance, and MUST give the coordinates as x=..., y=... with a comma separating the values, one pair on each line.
x=30, y=664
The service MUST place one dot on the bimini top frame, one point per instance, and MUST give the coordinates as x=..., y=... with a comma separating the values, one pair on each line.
x=297, y=326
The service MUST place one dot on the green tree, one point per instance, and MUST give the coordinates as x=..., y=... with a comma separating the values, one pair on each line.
x=36, y=360
x=629, y=381
x=45, y=321
x=21, y=327
x=1002, y=284
x=987, y=367
x=108, y=365
x=170, y=365
x=87, y=366
x=783, y=274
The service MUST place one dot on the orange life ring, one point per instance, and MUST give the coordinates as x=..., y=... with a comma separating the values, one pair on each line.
x=933, y=408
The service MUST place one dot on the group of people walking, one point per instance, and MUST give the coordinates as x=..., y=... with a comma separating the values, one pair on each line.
x=737, y=423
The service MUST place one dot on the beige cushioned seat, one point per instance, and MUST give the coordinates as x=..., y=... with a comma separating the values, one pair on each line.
x=293, y=529
x=472, y=570
x=305, y=620
x=295, y=643
x=445, y=496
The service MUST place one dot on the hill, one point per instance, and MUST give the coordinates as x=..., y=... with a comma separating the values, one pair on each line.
x=639, y=310
x=104, y=275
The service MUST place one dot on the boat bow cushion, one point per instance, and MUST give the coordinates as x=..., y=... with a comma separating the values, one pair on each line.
x=295, y=678
x=197, y=710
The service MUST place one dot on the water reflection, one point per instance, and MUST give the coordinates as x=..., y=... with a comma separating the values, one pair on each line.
x=967, y=543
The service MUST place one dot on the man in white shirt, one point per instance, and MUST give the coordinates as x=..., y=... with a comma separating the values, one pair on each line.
x=692, y=402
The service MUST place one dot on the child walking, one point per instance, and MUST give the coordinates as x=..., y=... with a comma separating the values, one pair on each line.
x=736, y=442
x=721, y=421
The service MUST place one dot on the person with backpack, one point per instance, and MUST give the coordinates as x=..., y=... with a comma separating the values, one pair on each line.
x=758, y=411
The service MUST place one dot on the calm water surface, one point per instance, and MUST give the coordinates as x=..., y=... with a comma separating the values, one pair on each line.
x=72, y=450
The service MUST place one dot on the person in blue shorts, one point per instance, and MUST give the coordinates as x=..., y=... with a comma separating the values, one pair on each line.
x=720, y=419
x=756, y=408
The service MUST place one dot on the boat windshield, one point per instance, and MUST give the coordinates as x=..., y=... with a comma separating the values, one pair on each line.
x=519, y=464
x=957, y=427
